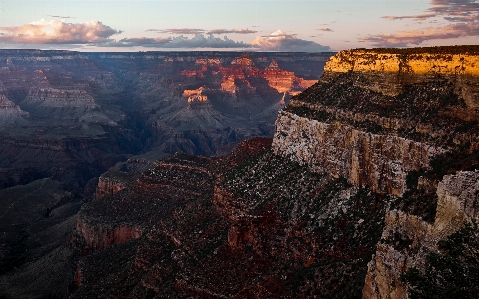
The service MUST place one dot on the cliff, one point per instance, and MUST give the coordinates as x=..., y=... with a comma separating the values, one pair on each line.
x=50, y=97
x=377, y=160
x=362, y=194
x=397, y=121
x=382, y=128
x=389, y=73
x=11, y=113
x=407, y=240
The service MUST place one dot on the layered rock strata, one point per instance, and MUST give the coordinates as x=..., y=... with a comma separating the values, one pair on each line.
x=407, y=239
x=381, y=117
x=51, y=97
x=388, y=72
x=11, y=113
x=377, y=114
x=379, y=161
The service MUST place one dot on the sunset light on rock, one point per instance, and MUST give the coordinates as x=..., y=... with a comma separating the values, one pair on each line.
x=239, y=149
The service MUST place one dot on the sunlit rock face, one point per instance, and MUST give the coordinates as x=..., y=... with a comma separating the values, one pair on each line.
x=377, y=114
x=389, y=73
x=195, y=95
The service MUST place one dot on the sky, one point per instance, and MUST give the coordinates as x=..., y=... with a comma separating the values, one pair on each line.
x=236, y=25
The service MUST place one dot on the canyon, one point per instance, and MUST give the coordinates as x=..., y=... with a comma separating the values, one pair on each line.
x=368, y=188
x=71, y=116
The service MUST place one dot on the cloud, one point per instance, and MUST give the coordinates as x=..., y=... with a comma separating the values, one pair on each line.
x=137, y=42
x=420, y=17
x=462, y=16
x=57, y=32
x=415, y=37
x=225, y=31
x=450, y=6
x=280, y=41
x=179, y=31
x=198, y=41
x=326, y=29
x=62, y=17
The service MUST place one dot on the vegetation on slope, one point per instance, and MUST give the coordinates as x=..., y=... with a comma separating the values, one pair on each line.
x=452, y=272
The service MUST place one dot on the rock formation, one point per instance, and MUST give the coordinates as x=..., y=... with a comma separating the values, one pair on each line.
x=370, y=120
x=50, y=97
x=388, y=73
x=377, y=147
x=407, y=239
x=11, y=113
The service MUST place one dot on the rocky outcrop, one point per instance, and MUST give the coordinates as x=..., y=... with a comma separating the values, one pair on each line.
x=108, y=185
x=378, y=161
x=278, y=79
x=195, y=95
x=244, y=61
x=11, y=113
x=95, y=238
x=377, y=114
x=458, y=202
x=407, y=239
x=50, y=97
x=388, y=72
x=228, y=84
x=284, y=81
x=379, y=118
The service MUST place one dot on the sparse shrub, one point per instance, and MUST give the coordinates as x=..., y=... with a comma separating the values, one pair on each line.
x=453, y=272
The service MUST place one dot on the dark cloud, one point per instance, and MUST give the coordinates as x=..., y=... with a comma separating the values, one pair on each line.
x=416, y=17
x=280, y=41
x=326, y=29
x=178, y=31
x=226, y=31
x=448, y=6
x=198, y=41
x=57, y=32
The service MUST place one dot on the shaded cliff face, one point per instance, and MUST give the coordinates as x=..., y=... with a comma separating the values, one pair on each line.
x=410, y=245
x=377, y=160
x=250, y=224
x=36, y=222
x=11, y=113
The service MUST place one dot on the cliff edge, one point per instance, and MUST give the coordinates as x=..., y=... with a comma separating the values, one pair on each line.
x=402, y=122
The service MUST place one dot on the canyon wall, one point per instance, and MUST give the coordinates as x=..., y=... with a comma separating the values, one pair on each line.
x=379, y=161
x=371, y=117
x=388, y=73
x=395, y=121
x=407, y=239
